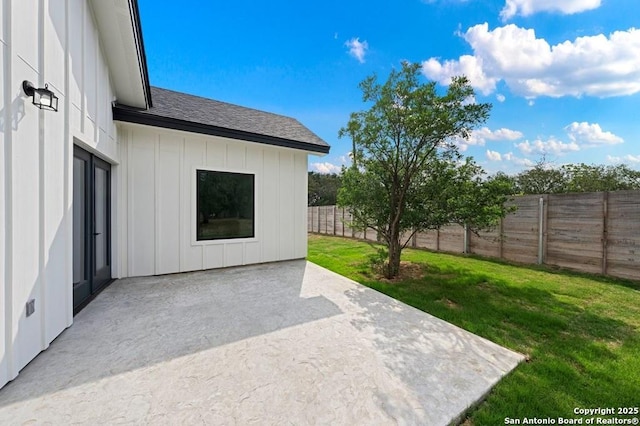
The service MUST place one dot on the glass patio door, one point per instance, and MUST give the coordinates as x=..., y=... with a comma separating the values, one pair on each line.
x=91, y=226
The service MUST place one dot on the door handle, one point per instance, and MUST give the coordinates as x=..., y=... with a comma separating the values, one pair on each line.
x=97, y=233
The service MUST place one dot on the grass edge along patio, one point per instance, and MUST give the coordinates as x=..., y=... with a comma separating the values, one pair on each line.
x=580, y=332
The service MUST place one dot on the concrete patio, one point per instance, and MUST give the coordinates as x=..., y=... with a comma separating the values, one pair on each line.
x=282, y=343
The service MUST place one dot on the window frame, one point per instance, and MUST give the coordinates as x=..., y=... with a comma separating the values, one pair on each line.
x=195, y=241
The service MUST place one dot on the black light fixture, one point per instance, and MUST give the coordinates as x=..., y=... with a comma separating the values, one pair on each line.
x=42, y=98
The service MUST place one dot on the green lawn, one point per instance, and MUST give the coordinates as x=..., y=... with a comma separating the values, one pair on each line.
x=581, y=333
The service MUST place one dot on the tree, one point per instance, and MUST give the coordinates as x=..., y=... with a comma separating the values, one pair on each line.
x=323, y=189
x=407, y=174
x=544, y=179
x=508, y=183
x=593, y=178
x=541, y=179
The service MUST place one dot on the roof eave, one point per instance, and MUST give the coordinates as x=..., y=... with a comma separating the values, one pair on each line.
x=129, y=115
x=124, y=50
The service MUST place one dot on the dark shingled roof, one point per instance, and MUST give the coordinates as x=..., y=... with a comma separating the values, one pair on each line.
x=180, y=111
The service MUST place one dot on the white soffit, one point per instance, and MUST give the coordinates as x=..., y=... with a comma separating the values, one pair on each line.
x=123, y=50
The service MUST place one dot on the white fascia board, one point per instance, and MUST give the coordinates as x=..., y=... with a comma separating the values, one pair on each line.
x=123, y=50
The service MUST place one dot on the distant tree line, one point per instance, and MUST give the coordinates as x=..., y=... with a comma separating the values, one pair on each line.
x=544, y=179
x=539, y=179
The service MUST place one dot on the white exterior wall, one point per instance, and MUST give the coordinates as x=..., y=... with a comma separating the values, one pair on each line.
x=157, y=192
x=54, y=42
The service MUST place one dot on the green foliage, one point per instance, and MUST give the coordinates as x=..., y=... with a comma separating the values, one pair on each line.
x=580, y=333
x=407, y=174
x=378, y=259
x=323, y=189
x=541, y=179
x=544, y=179
x=593, y=178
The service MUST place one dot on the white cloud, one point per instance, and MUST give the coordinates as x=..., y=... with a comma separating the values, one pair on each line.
x=346, y=159
x=467, y=65
x=529, y=7
x=502, y=134
x=357, y=49
x=500, y=97
x=471, y=100
x=479, y=137
x=581, y=135
x=593, y=65
x=550, y=146
x=510, y=157
x=493, y=155
x=591, y=134
x=326, y=168
x=631, y=159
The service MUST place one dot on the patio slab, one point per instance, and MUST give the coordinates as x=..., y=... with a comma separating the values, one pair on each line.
x=282, y=343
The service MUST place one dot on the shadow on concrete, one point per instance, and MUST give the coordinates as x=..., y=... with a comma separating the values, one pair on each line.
x=138, y=322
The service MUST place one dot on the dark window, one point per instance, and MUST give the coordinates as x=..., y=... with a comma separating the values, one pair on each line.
x=225, y=205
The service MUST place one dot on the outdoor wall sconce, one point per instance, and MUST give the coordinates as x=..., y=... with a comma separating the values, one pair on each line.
x=42, y=98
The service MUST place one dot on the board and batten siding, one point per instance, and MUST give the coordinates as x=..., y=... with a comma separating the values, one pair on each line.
x=52, y=42
x=158, y=192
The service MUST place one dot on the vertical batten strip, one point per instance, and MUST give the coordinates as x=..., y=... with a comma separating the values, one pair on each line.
x=130, y=194
x=68, y=168
x=156, y=202
x=98, y=89
x=8, y=188
x=42, y=236
x=181, y=216
x=83, y=69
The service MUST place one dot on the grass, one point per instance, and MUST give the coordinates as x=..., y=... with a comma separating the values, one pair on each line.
x=581, y=333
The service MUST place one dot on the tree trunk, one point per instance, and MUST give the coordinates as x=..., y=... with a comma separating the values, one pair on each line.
x=395, y=249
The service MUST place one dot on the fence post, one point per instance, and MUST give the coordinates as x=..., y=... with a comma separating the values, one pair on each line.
x=319, y=232
x=414, y=240
x=438, y=239
x=545, y=228
x=324, y=209
x=315, y=219
x=326, y=220
x=501, y=238
x=605, y=220
x=343, y=225
x=465, y=239
x=334, y=220
x=540, y=230
x=353, y=232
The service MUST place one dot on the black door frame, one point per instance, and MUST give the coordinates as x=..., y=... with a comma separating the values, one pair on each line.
x=94, y=281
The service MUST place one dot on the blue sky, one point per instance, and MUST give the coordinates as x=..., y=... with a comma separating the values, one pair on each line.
x=563, y=75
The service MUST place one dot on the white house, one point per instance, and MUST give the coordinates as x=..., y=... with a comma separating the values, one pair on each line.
x=124, y=179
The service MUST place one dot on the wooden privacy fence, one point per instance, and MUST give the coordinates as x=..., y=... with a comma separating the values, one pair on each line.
x=596, y=232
